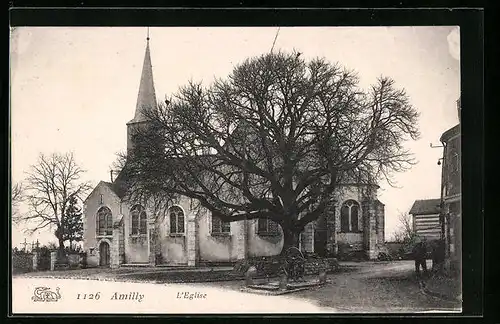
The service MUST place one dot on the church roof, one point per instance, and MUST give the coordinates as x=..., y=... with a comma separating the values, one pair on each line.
x=146, y=99
x=119, y=185
x=426, y=207
x=113, y=187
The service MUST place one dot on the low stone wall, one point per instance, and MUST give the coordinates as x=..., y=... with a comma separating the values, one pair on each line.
x=216, y=263
x=270, y=266
x=313, y=266
x=75, y=260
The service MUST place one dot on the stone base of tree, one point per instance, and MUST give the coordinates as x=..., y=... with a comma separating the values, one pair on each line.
x=61, y=266
x=270, y=266
x=276, y=287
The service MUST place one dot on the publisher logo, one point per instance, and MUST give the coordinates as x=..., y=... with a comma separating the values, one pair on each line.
x=44, y=294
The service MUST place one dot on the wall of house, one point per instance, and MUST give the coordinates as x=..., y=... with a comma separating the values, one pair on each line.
x=452, y=166
x=454, y=234
x=427, y=226
x=452, y=197
x=90, y=208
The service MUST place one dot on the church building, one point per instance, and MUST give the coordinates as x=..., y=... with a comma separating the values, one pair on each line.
x=119, y=233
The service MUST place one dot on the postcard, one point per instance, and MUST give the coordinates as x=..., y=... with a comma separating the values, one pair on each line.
x=183, y=170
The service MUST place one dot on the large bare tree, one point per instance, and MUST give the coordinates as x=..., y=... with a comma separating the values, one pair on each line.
x=51, y=184
x=273, y=140
x=17, y=196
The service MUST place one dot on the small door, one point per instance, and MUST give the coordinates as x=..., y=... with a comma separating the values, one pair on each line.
x=104, y=254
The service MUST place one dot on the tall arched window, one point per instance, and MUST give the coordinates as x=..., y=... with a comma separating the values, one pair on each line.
x=104, y=221
x=349, y=215
x=139, y=220
x=176, y=220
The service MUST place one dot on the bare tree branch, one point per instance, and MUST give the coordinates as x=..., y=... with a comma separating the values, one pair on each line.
x=273, y=140
x=50, y=185
x=404, y=233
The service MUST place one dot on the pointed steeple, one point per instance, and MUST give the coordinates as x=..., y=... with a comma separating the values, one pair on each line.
x=146, y=98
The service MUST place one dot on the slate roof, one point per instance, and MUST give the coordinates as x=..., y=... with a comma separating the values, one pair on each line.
x=146, y=99
x=455, y=130
x=426, y=207
x=119, y=186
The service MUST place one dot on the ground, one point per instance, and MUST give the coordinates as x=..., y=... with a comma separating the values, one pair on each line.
x=379, y=287
x=371, y=287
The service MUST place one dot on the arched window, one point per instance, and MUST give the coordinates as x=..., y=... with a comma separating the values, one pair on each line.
x=349, y=216
x=176, y=220
x=139, y=220
x=104, y=221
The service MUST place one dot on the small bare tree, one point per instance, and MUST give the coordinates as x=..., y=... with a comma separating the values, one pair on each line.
x=404, y=233
x=50, y=185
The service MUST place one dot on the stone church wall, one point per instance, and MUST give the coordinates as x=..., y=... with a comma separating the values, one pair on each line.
x=172, y=246
x=307, y=237
x=219, y=247
x=260, y=245
x=91, y=206
x=354, y=239
x=136, y=246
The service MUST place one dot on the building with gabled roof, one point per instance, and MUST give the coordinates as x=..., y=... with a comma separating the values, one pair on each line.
x=425, y=218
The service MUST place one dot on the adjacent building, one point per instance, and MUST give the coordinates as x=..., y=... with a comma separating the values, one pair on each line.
x=118, y=232
x=426, y=218
x=452, y=194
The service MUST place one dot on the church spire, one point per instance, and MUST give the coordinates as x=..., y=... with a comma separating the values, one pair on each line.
x=146, y=98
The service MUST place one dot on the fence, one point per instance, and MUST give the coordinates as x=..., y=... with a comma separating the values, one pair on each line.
x=44, y=259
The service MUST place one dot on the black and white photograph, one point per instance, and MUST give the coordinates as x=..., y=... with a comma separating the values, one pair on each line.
x=197, y=170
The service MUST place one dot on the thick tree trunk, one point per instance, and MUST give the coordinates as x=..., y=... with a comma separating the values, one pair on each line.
x=290, y=239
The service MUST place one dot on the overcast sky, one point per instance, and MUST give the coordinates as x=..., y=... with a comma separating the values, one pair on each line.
x=74, y=89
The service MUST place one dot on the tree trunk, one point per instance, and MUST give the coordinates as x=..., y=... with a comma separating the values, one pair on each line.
x=290, y=239
x=61, y=254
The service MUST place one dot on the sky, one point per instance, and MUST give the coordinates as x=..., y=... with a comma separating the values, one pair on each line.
x=73, y=89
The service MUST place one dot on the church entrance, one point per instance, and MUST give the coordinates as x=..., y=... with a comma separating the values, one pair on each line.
x=104, y=254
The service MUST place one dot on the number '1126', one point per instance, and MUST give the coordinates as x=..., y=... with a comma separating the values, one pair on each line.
x=95, y=296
